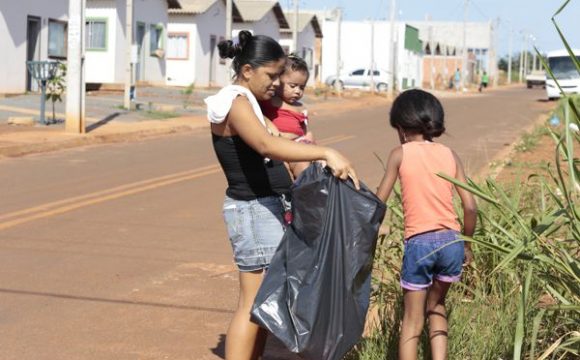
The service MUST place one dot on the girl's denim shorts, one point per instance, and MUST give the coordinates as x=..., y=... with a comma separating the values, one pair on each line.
x=255, y=228
x=431, y=255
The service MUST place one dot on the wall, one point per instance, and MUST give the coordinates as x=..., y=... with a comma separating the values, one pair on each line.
x=212, y=23
x=109, y=66
x=182, y=72
x=100, y=64
x=150, y=12
x=356, y=50
x=13, y=24
x=443, y=69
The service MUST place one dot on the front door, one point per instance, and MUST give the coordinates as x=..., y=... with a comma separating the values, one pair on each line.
x=212, y=59
x=32, y=48
x=139, y=68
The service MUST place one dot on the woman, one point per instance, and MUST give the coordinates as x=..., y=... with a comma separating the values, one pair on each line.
x=252, y=158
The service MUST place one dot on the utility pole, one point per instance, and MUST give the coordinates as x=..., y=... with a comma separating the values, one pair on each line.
x=338, y=55
x=229, y=18
x=533, y=38
x=295, y=28
x=392, y=77
x=495, y=31
x=75, y=80
x=509, y=74
x=521, y=69
x=526, y=60
x=372, y=67
x=229, y=25
x=128, y=55
x=432, y=56
x=464, y=62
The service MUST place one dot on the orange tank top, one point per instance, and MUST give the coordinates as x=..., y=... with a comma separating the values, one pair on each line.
x=427, y=198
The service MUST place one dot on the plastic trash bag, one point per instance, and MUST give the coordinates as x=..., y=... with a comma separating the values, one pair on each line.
x=315, y=295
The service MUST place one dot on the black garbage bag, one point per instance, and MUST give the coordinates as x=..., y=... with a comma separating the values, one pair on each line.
x=315, y=295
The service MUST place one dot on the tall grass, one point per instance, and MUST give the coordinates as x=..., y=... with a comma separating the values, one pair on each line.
x=521, y=297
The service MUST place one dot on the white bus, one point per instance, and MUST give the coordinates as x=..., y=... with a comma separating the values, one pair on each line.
x=565, y=72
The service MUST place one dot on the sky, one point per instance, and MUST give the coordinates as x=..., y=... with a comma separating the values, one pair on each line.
x=515, y=16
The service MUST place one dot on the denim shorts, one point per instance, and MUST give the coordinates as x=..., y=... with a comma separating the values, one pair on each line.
x=255, y=228
x=427, y=256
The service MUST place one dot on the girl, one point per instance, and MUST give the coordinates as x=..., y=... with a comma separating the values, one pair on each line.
x=433, y=254
x=250, y=158
x=286, y=111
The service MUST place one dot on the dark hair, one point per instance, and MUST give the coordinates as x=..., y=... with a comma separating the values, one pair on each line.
x=419, y=112
x=296, y=63
x=256, y=50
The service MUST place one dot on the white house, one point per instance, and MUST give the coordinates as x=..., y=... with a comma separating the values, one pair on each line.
x=260, y=17
x=105, y=58
x=29, y=30
x=357, y=50
x=193, y=34
x=309, y=38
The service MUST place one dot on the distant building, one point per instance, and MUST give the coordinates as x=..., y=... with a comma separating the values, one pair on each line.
x=30, y=30
x=105, y=58
x=357, y=50
x=443, y=46
x=193, y=34
x=309, y=41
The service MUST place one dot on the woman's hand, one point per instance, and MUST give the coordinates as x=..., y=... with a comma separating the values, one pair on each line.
x=341, y=167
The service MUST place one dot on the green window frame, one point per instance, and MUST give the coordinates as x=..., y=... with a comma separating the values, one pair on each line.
x=91, y=30
x=57, y=39
x=156, y=34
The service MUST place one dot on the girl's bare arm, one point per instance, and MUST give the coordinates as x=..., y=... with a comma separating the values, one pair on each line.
x=391, y=174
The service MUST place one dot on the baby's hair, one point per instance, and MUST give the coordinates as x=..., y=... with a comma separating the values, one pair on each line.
x=419, y=112
x=256, y=50
x=296, y=63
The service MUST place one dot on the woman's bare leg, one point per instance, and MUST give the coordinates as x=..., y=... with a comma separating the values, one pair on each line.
x=245, y=340
x=437, y=315
x=413, y=322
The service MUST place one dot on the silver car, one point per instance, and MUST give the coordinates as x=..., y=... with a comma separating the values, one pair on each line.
x=361, y=78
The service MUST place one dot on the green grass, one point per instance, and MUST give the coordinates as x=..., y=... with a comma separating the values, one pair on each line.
x=160, y=115
x=521, y=297
x=530, y=140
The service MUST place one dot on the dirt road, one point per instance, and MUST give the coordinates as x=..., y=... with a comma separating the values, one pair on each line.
x=119, y=251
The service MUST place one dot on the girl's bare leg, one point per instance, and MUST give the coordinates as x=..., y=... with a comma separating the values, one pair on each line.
x=413, y=322
x=437, y=315
x=245, y=340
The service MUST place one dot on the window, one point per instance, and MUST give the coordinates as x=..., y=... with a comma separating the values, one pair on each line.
x=360, y=72
x=308, y=55
x=376, y=73
x=178, y=46
x=155, y=39
x=57, y=39
x=96, y=34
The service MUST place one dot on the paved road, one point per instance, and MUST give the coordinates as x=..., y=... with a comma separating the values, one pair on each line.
x=119, y=251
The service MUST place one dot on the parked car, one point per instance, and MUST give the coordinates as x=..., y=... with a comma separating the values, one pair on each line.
x=536, y=78
x=360, y=78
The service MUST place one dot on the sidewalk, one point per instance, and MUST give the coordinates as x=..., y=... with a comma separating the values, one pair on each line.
x=107, y=124
x=165, y=111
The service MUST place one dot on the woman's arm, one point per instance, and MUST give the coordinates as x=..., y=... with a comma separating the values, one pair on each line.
x=243, y=120
x=391, y=174
x=469, y=208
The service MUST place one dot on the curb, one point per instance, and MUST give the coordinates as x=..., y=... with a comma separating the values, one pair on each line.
x=152, y=129
x=19, y=150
